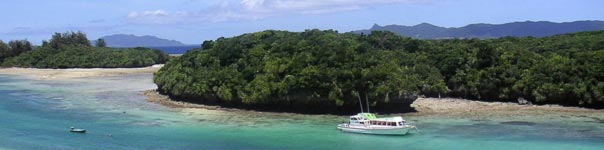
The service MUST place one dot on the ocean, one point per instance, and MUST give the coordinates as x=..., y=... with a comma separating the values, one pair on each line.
x=176, y=49
x=37, y=114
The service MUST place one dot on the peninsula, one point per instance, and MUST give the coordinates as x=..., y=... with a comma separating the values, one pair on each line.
x=329, y=72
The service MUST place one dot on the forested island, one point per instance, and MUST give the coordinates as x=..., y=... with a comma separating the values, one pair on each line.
x=74, y=50
x=329, y=72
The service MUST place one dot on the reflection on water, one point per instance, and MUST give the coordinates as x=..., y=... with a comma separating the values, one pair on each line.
x=36, y=114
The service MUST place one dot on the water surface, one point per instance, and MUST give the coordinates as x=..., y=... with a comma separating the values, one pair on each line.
x=36, y=114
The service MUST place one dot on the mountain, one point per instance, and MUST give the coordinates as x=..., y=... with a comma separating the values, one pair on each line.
x=528, y=28
x=124, y=40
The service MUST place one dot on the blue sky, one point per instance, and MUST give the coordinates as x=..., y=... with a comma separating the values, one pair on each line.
x=192, y=21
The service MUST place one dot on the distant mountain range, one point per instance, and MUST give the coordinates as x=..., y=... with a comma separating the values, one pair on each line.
x=125, y=40
x=517, y=29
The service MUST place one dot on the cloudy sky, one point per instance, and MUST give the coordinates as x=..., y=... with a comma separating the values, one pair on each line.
x=192, y=21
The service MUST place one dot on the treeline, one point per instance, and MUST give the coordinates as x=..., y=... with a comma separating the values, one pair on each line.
x=73, y=50
x=329, y=72
x=14, y=48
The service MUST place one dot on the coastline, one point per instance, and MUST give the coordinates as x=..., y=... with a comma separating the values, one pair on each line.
x=425, y=107
x=51, y=74
x=153, y=96
x=437, y=108
x=507, y=111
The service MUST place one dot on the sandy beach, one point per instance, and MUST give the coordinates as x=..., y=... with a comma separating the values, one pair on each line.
x=49, y=74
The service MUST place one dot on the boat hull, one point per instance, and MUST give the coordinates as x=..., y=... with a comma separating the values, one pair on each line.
x=379, y=131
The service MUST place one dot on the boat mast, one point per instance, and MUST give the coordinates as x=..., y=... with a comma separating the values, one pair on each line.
x=360, y=102
x=367, y=100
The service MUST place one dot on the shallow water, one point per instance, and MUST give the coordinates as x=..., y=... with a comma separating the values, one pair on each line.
x=36, y=114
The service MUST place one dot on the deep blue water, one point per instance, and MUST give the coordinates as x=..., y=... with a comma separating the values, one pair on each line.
x=173, y=49
x=177, y=49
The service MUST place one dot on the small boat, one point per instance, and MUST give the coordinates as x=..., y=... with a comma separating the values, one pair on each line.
x=367, y=123
x=72, y=129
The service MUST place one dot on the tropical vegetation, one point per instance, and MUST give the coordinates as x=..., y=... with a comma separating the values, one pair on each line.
x=329, y=72
x=73, y=50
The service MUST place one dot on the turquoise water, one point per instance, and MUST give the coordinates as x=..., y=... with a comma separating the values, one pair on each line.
x=36, y=114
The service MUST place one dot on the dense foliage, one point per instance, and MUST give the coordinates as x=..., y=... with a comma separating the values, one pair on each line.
x=325, y=71
x=14, y=48
x=73, y=50
x=58, y=40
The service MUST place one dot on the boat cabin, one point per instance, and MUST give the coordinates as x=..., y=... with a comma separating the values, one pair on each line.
x=370, y=119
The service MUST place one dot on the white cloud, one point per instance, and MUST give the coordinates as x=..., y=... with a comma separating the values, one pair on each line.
x=258, y=9
x=158, y=12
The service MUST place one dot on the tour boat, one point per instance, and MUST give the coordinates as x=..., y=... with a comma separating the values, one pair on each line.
x=367, y=123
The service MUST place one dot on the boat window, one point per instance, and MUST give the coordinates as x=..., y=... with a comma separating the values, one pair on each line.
x=400, y=123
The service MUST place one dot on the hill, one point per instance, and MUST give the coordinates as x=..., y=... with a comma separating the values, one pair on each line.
x=483, y=31
x=124, y=40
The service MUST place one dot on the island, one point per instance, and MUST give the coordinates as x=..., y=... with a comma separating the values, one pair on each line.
x=330, y=72
x=74, y=50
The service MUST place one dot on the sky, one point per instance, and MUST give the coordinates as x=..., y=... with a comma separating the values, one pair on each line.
x=193, y=21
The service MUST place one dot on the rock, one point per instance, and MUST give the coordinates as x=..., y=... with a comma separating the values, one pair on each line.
x=523, y=101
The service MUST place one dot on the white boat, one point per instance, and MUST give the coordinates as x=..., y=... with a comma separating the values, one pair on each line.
x=72, y=129
x=367, y=123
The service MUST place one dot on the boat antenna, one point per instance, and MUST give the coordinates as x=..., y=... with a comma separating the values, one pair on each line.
x=360, y=102
x=367, y=101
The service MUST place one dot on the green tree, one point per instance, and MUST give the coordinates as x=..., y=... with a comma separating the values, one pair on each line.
x=20, y=46
x=5, y=51
x=327, y=71
x=69, y=39
x=72, y=49
x=101, y=43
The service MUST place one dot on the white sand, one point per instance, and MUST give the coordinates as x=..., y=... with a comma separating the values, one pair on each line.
x=448, y=105
x=50, y=74
x=468, y=109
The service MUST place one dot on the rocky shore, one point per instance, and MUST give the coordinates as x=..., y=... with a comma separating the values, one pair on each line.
x=449, y=105
x=154, y=97
x=477, y=110
x=444, y=107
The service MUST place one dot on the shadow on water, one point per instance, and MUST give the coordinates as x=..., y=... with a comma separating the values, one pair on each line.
x=518, y=123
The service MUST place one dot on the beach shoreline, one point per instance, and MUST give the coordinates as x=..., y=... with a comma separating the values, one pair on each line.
x=480, y=110
x=437, y=107
x=58, y=74
x=433, y=107
x=153, y=96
